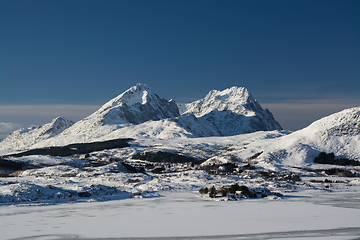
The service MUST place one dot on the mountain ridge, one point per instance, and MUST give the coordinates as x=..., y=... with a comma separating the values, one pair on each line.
x=236, y=104
x=138, y=112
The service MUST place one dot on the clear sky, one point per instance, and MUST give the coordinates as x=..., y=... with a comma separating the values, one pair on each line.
x=300, y=59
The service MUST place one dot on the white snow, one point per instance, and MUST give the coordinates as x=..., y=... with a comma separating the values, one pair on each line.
x=183, y=214
x=93, y=195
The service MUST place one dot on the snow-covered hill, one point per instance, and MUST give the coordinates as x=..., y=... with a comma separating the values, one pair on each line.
x=26, y=137
x=338, y=133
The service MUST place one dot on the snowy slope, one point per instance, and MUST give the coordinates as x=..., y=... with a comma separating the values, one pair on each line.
x=25, y=137
x=187, y=126
x=233, y=111
x=136, y=105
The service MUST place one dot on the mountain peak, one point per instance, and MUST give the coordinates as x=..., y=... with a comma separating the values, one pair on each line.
x=233, y=111
x=136, y=94
x=235, y=95
x=236, y=99
x=134, y=106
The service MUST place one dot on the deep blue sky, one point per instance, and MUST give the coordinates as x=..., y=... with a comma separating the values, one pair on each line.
x=87, y=52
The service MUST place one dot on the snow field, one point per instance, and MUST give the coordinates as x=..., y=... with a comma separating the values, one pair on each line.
x=176, y=214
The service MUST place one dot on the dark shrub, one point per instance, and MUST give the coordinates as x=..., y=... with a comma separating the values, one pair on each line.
x=248, y=167
x=244, y=190
x=329, y=158
x=255, y=155
x=224, y=192
x=339, y=172
x=9, y=165
x=229, y=167
x=163, y=157
x=158, y=170
x=204, y=191
x=84, y=194
x=129, y=168
x=212, y=192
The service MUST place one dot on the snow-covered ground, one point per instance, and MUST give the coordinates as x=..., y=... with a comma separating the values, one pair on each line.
x=67, y=197
x=173, y=182
x=186, y=214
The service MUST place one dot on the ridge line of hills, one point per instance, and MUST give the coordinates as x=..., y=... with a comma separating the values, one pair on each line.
x=232, y=114
x=138, y=112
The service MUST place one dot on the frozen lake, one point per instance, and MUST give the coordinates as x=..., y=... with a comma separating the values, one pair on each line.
x=187, y=215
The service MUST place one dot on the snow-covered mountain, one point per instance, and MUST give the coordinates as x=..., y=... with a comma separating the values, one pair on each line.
x=140, y=113
x=233, y=111
x=136, y=105
x=338, y=133
x=26, y=137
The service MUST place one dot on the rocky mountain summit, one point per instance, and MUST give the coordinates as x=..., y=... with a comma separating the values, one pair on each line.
x=134, y=106
x=233, y=111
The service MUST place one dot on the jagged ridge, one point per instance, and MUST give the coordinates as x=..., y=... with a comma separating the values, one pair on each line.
x=233, y=111
x=26, y=137
x=140, y=113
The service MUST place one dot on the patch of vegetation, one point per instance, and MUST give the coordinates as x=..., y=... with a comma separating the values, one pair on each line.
x=321, y=181
x=329, y=158
x=247, y=167
x=158, y=170
x=229, y=167
x=204, y=191
x=77, y=148
x=255, y=155
x=224, y=191
x=212, y=192
x=164, y=157
x=8, y=165
x=129, y=168
x=340, y=172
x=84, y=194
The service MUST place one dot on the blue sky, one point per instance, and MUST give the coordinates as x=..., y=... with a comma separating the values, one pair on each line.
x=300, y=59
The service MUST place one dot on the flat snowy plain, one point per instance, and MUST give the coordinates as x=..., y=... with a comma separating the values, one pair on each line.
x=188, y=215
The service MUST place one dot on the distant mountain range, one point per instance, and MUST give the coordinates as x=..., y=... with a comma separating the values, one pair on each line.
x=138, y=113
